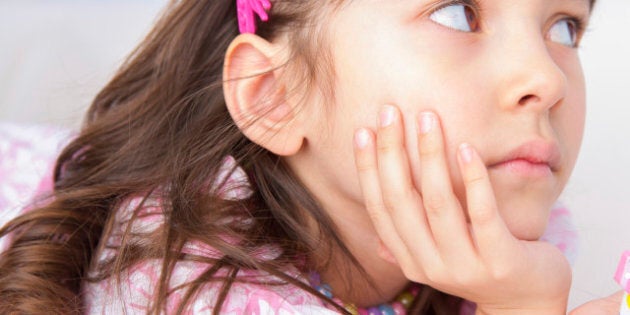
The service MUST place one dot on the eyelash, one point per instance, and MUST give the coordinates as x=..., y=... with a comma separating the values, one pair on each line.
x=578, y=22
x=472, y=4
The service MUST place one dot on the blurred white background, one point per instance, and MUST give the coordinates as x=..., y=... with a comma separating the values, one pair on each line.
x=55, y=55
x=600, y=185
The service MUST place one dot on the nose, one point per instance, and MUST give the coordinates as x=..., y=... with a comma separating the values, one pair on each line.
x=528, y=76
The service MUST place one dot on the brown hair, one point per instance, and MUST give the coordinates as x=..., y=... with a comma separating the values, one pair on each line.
x=160, y=129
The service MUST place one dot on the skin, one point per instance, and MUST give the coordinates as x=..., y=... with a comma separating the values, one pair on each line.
x=476, y=83
x=431, y=205
x=495, y=89
x=606, y=306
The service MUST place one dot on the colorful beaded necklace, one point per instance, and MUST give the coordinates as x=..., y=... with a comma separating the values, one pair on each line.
x=398, y=307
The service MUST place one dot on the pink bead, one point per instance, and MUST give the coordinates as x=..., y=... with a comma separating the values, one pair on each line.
x=399, y=309
x=415, y=289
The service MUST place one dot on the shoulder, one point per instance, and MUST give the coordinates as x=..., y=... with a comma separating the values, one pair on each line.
x=255, y=292
x=247, y=298
x=133, y=294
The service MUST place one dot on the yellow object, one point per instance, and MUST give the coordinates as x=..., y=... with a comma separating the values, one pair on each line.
x=352, y=309
x=406, y=299
x=625, y=305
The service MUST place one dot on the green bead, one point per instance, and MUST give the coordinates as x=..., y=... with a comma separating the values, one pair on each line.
x=406, y=299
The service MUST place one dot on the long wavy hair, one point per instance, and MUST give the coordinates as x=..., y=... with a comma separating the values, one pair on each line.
x=160, y=130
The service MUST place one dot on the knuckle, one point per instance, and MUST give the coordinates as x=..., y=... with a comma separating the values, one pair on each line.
x=501, y=273
x=482, y=213
x=387, y=146
x=395, y=197
x=410, y=269
x=400, y=193
x=429, y=147
x=377, y=213
x=393, y=200
x=387, y=205
x=434, y=277
x=438, y=276
x=414, y=275
x=374, y=206
x=396, y=191
x=365, y=166
x=474, y=178
x=435, y=203
x=463, y=278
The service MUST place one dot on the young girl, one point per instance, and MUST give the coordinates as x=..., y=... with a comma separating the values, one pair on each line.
x=317, y=157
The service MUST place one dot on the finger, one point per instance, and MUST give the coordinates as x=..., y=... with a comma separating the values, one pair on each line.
x=367, y=168
x=444, y=213
x=399, y=194
x=493, y=239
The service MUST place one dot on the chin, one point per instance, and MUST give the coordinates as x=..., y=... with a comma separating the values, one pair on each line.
x=528, y=232
x=527, y=222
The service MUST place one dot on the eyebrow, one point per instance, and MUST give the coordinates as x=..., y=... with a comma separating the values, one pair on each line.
x=590, y=2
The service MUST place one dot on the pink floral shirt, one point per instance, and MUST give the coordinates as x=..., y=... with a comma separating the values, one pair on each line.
x=27, y=155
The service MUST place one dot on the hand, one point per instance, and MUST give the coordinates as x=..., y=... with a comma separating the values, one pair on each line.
x=427, y=234
x=606, y=306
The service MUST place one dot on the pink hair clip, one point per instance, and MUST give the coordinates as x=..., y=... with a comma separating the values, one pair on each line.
x=245, y=10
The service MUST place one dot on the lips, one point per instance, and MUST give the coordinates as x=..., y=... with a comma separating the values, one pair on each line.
x=535, y=154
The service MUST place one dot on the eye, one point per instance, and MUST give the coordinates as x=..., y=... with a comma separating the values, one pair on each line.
x=565, y=32
x=459, y=17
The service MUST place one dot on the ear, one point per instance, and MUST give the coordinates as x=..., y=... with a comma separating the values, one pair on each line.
x=256, y=98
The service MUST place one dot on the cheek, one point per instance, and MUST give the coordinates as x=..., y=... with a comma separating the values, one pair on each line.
x=570, y=128
x=572, y=113
x=570, y=116
x=462, y=113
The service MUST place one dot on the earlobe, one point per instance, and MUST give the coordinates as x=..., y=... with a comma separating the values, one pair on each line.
x=256, y=98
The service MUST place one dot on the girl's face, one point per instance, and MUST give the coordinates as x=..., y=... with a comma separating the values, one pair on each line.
x=503, y=75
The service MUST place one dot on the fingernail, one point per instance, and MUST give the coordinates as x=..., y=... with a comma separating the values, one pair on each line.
x=386, y=117
x=426, y=122
x=362, y=138
x=466, y=152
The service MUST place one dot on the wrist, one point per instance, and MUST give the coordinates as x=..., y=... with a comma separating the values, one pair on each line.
x=521, y=312
x=556, y=310
x=559, y=308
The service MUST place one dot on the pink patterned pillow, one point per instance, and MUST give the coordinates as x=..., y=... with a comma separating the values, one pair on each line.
x=27, y=158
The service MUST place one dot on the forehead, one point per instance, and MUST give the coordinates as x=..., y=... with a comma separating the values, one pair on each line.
x=589, y=3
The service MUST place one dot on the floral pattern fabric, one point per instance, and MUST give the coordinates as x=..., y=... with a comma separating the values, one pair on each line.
x=27, y=155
